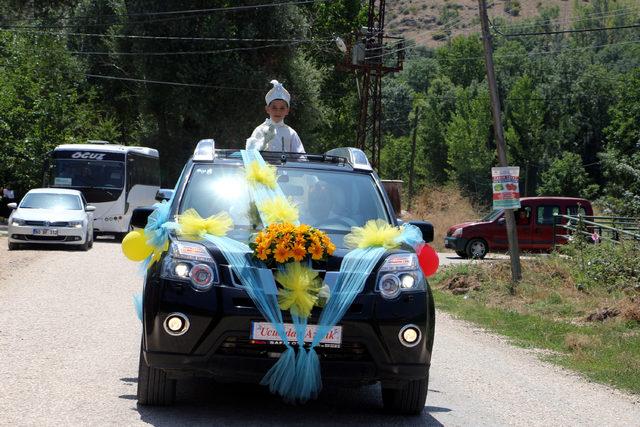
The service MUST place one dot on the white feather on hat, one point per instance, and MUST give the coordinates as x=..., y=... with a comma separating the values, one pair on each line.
x=277, y=92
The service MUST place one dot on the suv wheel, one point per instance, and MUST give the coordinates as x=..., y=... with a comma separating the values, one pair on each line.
x=154, y=388
x=408, y=400
x=477, y=249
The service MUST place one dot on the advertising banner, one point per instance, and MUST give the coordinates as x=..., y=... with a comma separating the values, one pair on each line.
x=506, y=192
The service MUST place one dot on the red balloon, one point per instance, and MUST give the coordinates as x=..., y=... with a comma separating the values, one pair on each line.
x=428, y=259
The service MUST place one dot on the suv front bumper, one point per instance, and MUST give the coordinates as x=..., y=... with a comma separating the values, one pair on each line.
x=217, y=343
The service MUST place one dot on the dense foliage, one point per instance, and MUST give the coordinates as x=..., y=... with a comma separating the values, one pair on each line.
x=571, y=102
x=571, y=108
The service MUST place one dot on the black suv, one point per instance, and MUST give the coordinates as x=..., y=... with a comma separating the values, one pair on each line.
x=205, y=324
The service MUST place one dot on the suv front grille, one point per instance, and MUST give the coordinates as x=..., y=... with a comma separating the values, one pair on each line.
x=236, y=346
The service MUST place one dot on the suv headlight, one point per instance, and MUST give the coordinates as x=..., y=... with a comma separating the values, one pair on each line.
x=190, y=262
x=457, y=232
x=400, y=273
x=17, y=222
x=75, y=224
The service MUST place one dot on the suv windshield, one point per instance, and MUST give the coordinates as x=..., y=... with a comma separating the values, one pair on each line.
x=331, y=200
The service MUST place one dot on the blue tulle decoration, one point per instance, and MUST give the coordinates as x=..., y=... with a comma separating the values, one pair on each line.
x=137, y=303
x=411, y=235
x=282, y=375
x=261, y=193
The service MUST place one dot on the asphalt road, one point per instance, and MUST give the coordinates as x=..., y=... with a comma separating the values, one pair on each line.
x=69, y=343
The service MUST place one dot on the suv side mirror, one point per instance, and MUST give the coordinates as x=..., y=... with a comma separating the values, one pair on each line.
x=427, y=229
x=140, y=215
x=164, y=194
x=12, y=205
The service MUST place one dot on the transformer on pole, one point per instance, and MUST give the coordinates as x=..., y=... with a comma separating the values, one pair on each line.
x=372, y=55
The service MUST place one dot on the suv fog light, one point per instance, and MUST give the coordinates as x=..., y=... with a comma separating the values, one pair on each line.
x=409, y=335
x=182, y=270
x=201, y=277
x=176, y=324
x=407, y=281
x=390, y=286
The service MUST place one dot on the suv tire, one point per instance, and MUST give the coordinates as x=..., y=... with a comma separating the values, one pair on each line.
x=461, y=254
x=408, y=400
x=477, y=249
x=13, y=246
x=154, y=388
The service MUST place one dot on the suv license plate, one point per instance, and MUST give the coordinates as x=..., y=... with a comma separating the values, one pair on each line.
x=45, y=232
x=264, y=331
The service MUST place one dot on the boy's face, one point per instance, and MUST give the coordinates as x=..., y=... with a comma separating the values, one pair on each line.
x=277, y=110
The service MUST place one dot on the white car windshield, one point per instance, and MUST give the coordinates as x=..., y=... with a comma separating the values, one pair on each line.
x=331, y=200
x=51, y=201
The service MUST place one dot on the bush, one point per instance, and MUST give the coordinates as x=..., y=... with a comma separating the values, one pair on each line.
x=512, y=7
x=609, y=266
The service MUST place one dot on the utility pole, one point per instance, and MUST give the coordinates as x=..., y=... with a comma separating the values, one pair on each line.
x=512, y=233
x=371, y=57
x=413, y=155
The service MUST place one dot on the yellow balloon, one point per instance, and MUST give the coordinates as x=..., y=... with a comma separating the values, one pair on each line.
x=135, y=247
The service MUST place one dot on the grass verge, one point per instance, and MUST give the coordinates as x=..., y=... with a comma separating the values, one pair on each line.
x=550, y=311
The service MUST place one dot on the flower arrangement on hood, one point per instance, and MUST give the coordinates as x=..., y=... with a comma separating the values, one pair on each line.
x=280, y=243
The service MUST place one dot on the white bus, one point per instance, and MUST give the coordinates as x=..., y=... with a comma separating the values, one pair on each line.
x=115, y=179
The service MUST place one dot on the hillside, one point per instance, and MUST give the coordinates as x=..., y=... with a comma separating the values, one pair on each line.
x=432, y=22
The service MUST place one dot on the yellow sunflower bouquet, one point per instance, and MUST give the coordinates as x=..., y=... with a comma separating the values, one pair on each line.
x=285, y=242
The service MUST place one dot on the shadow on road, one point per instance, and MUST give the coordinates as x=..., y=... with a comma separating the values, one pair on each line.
x=205, y=402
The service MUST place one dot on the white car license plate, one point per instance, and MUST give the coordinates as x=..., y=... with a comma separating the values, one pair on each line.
x=45, y=231
x=264, y=331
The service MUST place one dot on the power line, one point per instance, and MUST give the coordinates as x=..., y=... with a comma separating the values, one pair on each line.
x=586, y=17
x=178, y=38
x=167, y=83
x=188, y=52
x=582, y=30
x=187, y=11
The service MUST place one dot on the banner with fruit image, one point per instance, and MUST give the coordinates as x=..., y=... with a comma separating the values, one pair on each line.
x=506, y=191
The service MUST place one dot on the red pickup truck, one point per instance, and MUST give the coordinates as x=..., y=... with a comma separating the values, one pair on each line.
x=534, y=223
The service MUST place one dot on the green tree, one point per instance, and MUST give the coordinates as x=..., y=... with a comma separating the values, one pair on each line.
x=567, y=177
x=462, y=61
x=525, y=122
x=42, y=104
x=468, y=138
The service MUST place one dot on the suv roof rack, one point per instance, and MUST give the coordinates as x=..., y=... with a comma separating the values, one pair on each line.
x=355, y=156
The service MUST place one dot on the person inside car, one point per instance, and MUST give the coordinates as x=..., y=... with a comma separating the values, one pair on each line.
x=274, y=134
x=322, y=209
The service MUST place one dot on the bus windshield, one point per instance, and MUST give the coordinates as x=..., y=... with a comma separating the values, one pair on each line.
x=88, y=174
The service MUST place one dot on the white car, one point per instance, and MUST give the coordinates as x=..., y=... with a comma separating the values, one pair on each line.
x=53, y=216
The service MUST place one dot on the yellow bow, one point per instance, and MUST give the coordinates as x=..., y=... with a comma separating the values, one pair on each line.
x=261, y=174
x=192, y=224
x=300, y=289
x=278, y=210
x=374, y=233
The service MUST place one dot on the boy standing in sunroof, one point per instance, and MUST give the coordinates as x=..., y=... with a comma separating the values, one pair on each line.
x=274, y=134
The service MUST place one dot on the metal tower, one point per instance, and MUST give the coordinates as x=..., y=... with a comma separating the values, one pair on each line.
x=373, y=55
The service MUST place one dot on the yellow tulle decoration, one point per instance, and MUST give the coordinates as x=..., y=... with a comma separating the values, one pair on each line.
x=261, y=174
x=278, y=210
x=300, y=287
x=157, y=253
x=192, y=224
x=374, y=233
